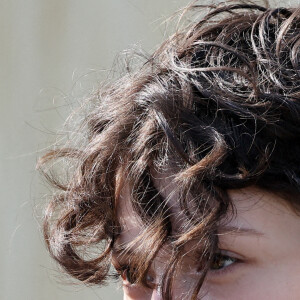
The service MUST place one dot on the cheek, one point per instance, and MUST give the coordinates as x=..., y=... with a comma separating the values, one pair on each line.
x=184, y=284
x=136, y=293
x=181, y=290
x=275, y=281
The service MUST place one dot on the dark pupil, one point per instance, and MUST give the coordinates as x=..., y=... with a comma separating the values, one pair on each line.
x=219, y=261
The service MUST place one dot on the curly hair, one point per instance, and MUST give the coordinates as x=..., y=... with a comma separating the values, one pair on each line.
x=218, y=103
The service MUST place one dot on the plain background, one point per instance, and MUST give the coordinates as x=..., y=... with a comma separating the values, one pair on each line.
x=53, y=53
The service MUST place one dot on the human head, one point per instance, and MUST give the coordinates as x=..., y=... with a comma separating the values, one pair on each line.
x=214, y=109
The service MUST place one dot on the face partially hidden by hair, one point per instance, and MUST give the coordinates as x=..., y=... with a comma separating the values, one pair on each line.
x=257, y=256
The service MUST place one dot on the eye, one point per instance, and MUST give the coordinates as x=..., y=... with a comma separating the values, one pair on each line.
x=221, y=261
x=128, y=275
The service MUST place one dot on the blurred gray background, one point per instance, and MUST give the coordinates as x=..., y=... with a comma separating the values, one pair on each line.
x=53, y=53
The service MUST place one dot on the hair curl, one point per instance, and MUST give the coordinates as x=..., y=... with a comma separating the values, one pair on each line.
x=219, y=103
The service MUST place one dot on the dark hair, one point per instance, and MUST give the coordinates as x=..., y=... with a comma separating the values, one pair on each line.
x=218, y=103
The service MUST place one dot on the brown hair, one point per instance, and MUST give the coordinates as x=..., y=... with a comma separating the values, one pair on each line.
x=219, y=104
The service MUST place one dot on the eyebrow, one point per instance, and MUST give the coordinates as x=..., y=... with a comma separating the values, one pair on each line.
x=122, y=252
x=239, y=230
x=222, y=231
x=122, y=249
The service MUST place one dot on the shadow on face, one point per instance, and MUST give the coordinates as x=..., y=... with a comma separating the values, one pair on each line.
x=257, y=258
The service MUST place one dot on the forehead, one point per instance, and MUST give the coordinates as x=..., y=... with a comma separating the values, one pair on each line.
x=255, y=209
x=131, y=224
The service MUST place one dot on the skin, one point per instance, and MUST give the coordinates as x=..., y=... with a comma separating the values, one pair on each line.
x=263, y=245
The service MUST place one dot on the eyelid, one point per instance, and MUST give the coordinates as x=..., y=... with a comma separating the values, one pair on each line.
x=123, y=267
x=124, y=271
x=230, y=253
x=239, y=260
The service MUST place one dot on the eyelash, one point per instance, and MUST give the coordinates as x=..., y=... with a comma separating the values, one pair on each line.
x=225, y=255
x=125, y=272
